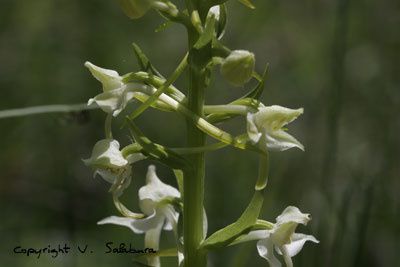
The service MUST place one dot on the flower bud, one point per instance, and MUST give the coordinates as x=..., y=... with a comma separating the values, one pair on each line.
x=135, y=9
x=237, y=68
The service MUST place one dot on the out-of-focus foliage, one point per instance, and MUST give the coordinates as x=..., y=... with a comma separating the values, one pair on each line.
x=337, y=59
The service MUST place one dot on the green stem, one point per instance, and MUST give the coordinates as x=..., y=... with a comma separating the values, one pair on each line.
x=194, y=177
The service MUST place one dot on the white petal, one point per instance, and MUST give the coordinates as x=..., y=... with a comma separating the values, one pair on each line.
x=123, y=221
x=113, y=101
x=293, y=214
x=106, y=154
x=155, y=190
x=109, y=78
x=171, y=217
x=214, y=10
x=252, y=130
x=275, y=117
x=266, y=250
x=286, y=225
x=297, y=243
x=280, y=140
x=205, y=224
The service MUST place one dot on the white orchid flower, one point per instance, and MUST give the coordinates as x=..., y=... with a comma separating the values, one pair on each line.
x=265, y=127
x=155, y=202
x=116, y=94
x=281, y=238
x=107, y=161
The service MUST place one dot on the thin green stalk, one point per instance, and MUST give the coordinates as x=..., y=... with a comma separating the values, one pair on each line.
x=228, y=109
x=181, y=67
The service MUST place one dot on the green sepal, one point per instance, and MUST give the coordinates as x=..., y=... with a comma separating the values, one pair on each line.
x=208, y=34
x=144, y=62
x=225, y=236
x=257, y=91
x=247, y=3
x=156, y=151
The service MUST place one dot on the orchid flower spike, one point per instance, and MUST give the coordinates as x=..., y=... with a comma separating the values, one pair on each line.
x=107, y=161
x=281, y=238
x=265, y=127
x=155, y=200
x=116, y=94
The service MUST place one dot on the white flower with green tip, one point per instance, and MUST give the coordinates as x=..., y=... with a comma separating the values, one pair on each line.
x=281, y=238
x=155, y=202
x=265, y=127
x=107, y=161
x=116, y=94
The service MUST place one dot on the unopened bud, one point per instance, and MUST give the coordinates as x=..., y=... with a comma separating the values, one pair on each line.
x=237, y=68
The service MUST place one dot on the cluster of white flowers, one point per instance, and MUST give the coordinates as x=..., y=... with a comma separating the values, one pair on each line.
x=265, y=128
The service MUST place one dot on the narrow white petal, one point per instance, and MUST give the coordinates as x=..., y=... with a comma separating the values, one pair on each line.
x=266, y=250
x=152, y=240
x=123, y=221
x=280, y=140
x=297, y=243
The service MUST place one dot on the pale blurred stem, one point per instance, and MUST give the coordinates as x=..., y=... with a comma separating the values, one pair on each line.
x=227, y=109
x=194, y=177
x=108, y=127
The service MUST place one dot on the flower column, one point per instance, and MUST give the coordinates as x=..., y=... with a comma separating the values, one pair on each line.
x=194, y=176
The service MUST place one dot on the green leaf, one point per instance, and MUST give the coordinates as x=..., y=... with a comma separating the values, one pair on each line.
x=247, y=3
x=223, y=237
x=208, y=33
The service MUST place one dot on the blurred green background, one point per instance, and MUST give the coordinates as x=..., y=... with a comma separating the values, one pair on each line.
x=337, y=59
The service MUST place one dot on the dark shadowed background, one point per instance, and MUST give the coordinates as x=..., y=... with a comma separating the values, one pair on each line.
x=337, y=59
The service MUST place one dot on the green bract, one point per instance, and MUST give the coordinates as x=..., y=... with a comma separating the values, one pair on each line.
x=135, y=9
x=265, y=127
x=238, y=67
x=155, y=202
